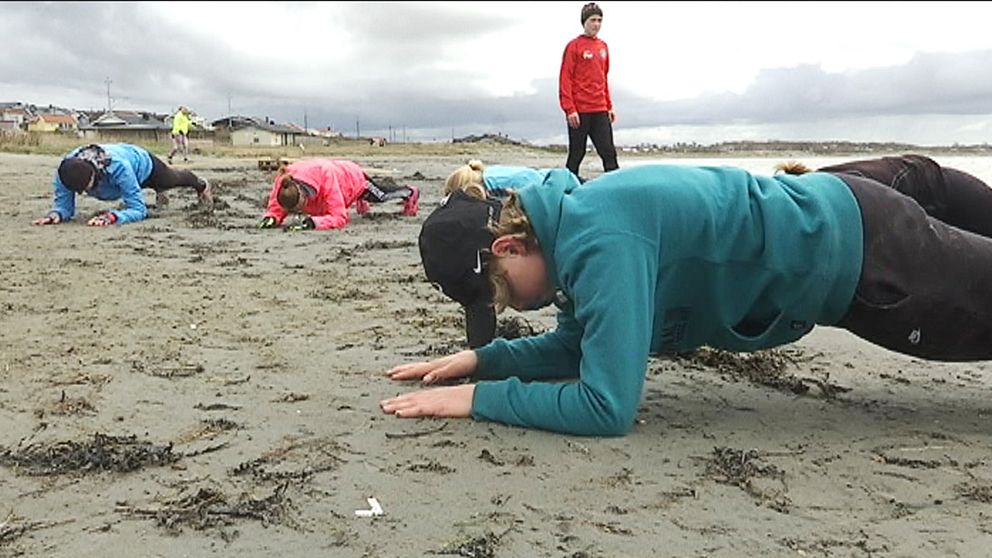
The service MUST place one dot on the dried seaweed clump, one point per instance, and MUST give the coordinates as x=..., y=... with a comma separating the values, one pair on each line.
x=483, y=546
x=514, y=327
x=104, y=452
x=208, y=508
x=765, y=367
x=734, y=466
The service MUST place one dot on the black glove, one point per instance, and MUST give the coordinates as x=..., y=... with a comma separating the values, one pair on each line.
x=267, y=223
x=304, y=225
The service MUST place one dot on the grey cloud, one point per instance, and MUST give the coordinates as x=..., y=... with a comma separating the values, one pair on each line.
x=398, y=79
x=927, y=84
x=77, y=46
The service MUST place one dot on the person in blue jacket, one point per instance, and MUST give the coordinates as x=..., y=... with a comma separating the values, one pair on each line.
x=118, y=171
x=666, y=259
x=492, y=181
x=472, y=201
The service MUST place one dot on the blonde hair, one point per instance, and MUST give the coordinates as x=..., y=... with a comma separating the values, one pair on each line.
x=467, y=178
x=289, y=193
x=513, y=222
x=792, y=167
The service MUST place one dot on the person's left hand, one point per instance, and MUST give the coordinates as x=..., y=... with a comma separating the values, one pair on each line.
x=448, y=402
x=573, y=119
x=103, y=220
x=304, y=225
x=613, y=116
x=458, y=365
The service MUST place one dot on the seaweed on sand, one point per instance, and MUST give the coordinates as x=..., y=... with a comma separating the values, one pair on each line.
x=104, y=452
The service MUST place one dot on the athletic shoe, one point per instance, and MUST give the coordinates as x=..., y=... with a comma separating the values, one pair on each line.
x=411, y=204
x=362, y=206
x=205, y=193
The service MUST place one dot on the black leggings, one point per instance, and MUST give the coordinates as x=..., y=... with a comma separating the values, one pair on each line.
x=164, y=177
x=926, y=285
x=383, y=189
x=597, y=127
x=952, y=196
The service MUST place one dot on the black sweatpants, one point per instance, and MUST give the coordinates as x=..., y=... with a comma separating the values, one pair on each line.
x=164, y=177
x=597, y=127
x=383, y=189
x=926, y=285
x=950, y=195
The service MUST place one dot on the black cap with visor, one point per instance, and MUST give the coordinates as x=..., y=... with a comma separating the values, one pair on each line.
x=454, y=249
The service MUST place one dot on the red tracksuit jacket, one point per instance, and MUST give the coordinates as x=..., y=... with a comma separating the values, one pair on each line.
x=582, y=85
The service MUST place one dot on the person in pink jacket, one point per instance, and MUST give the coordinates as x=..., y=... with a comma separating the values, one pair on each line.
x=322, y=190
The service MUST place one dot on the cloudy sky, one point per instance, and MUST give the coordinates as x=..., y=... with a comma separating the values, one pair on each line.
x=918, y=72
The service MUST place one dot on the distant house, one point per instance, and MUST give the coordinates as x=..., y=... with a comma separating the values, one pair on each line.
x=50, y=123
x=16, y=114
x=327, y=132
x=263, y=134
x=247, y=131
x=127, y=127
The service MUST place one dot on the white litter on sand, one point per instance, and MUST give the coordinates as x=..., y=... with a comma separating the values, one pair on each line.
x=375, y=510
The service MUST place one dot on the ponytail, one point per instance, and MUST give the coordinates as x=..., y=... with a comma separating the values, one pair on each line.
x=792, y=167
x=288, y=194
x=467, y=178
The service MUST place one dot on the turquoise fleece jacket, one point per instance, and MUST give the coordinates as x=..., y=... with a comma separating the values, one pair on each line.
x=660, y=259
x=129, y=167
x=500, y=178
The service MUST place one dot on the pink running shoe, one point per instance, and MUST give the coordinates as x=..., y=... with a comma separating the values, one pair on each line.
x=411, y=204
x=362, y=206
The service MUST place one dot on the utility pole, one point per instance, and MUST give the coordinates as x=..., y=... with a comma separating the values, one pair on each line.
x=108, y=81
x=305, y=126
x=229, y=111
x=358, y=132
x=392, y=139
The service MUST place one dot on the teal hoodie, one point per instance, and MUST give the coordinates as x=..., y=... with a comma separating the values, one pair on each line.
x=661, y=259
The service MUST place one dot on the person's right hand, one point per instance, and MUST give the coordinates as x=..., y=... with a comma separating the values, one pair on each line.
x=50, y=219
x=267, y=223
x=458, y=365
x=573, y=119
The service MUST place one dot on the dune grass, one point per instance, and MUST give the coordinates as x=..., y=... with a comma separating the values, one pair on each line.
x=58, y=144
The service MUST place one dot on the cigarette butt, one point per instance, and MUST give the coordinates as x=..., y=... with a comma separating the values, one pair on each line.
x=376, y=508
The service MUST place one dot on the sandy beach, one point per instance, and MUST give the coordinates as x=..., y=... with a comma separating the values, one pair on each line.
x=192, y=386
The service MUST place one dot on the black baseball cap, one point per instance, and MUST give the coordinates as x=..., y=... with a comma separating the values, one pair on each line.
x=454, y=249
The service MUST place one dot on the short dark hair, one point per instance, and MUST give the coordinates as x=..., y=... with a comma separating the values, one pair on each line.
x=590, y=10
x=76, y=173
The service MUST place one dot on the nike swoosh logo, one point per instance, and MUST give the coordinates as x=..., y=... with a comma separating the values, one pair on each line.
x=478, y=262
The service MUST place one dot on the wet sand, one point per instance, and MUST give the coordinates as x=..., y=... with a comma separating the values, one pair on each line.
x=192, y=386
